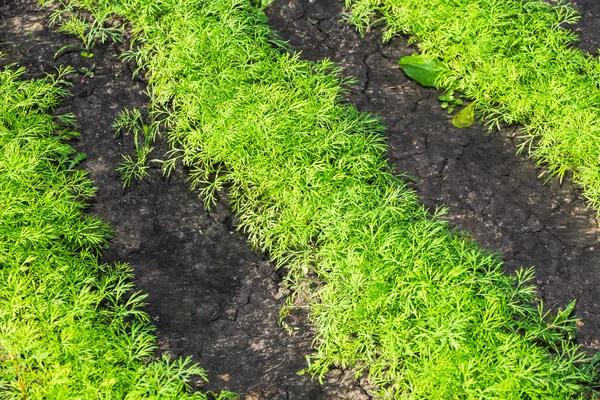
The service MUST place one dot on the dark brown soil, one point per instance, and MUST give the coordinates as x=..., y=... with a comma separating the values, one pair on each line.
x=214, y=299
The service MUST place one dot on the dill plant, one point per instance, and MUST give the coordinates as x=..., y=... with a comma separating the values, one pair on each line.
x=132, y=121
x=69, y=327
x=394, y=293
x=517, y=59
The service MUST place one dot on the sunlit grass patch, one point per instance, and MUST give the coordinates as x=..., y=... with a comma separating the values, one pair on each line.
x=394, y=292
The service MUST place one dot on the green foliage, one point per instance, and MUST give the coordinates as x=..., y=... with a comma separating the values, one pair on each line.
x=427, y=71
x=132, y=121
x=465, y=117
x=261, y=3
x=69, y=327
x=394, y=292
x=99, y=26
x=517, y=60
x=450, y=101
x=423, y=69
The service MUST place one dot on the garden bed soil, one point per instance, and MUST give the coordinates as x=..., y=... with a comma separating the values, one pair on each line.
x=214, y=299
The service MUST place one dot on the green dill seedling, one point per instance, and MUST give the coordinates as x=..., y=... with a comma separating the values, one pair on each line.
x=69, y=327
x=89, y=29
x=131, y=169
x=392, y=291
x=127, y=121
x=131, y=121
x=518, y=61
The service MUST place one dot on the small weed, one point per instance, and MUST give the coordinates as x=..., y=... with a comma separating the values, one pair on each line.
x=262, y=4
x=465, y=117
x=422, y=68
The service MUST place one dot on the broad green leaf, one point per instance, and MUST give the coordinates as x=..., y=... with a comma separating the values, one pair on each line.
x=422, y=68
x=465, y=117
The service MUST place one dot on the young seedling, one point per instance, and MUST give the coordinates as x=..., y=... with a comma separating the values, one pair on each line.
x=143, y=136
x=88, y=72
x=70, y=20
x=450, y=101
